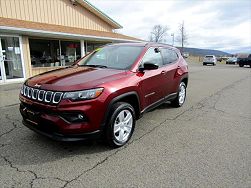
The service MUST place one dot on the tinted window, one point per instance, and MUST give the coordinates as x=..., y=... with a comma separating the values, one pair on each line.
x=169, y=56
x=152, y=56
x=115, y=57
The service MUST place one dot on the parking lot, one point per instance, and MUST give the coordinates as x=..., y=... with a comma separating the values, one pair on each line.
x=205, y=143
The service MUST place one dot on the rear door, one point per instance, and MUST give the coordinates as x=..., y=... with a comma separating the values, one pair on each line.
x=170, y=61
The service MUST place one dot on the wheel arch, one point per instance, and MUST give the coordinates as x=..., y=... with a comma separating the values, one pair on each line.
x=131, y=97
x=185, y=80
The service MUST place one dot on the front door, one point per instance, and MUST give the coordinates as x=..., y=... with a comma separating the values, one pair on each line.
x=11, y=68
x=151, y=84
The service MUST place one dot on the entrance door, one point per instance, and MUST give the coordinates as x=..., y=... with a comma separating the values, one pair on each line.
x=11, y=68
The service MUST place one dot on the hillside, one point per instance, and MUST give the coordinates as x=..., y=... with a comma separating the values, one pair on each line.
x=203, y=52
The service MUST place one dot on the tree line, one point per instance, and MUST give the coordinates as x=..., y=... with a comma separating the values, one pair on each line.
x=159, y=33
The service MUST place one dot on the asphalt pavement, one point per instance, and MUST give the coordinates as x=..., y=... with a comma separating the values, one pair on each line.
x=205, y=143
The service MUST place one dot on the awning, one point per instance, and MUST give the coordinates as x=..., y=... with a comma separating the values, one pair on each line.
x=8, y=25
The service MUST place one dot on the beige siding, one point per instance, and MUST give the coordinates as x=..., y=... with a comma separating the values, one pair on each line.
x=58, y=12
x=39, y=70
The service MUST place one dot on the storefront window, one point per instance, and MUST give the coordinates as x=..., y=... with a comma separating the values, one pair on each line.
x=50, y=53
x=70, y=52
x=90, y=46
x=44, y=53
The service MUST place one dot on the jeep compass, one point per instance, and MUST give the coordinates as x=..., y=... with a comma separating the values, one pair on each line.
x=105, y=92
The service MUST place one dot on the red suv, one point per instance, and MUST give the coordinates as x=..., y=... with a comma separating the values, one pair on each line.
x=104, y=92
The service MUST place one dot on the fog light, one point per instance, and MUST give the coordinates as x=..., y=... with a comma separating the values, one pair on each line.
x=80, y=116
x=73, y=117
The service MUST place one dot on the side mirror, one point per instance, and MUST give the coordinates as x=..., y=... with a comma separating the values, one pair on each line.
x=149, y=66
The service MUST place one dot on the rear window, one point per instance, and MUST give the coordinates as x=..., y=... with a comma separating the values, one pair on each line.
x=210, y=56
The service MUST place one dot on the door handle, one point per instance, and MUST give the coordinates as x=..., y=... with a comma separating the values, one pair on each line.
x=163, y=72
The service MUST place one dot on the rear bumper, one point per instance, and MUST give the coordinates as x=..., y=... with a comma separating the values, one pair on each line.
x=209, y=62
x=61, y=137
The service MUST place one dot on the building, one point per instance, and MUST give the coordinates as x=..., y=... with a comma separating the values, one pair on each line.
x=41, y=35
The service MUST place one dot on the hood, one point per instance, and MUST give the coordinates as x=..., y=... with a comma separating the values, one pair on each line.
x=75, y=78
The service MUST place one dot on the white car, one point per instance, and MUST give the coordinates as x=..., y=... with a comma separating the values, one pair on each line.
x=209, y=59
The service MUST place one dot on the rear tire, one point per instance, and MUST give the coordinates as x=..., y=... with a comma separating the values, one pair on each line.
x=121, y=124
x=181, y=96
x=241, y=65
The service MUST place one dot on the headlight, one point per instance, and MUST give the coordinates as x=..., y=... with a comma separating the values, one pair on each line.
x=83, y=95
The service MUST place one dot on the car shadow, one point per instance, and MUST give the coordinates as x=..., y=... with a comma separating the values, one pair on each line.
x=166, y=105
x=25, y=147
x=29, y=148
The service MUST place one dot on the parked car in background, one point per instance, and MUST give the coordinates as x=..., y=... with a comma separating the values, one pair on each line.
x=185, y=54
x=219, y=59
x=224, y=58
x=209, y=59
x=231, y=60
x=104, y=92
x=244, y=60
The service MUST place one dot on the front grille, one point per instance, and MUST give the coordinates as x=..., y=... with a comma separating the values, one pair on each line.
x=49, y=97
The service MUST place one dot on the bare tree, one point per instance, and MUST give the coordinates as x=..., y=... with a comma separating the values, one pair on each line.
x=182, y=37
x=158, y=33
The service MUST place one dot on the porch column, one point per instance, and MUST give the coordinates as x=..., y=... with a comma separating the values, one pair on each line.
x=26, y=56
x=82, y=44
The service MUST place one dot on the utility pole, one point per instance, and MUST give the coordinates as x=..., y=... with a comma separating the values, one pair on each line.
x=173, y=38
x=182, y=36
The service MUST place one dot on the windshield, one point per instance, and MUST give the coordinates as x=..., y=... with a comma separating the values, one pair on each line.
x=209, y=56
x=115, y=57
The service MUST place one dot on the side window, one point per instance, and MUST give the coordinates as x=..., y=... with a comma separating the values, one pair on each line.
x=152, y=56
x=169, y=56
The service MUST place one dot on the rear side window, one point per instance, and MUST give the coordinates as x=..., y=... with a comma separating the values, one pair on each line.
x=169, y=56
x=152, y=56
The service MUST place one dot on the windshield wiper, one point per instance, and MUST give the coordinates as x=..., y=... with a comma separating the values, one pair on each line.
x=99, y=66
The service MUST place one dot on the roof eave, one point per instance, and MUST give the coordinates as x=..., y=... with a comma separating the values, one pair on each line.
x=100, y=14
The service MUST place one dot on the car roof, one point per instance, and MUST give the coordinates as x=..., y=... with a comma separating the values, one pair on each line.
x=144, y=44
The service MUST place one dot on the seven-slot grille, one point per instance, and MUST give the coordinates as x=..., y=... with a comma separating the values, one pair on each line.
x=40, y=95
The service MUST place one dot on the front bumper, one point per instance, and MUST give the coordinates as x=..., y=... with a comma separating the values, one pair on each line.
x=50, y=121
x=59, y=136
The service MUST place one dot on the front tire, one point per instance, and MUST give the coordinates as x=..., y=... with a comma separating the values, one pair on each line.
x=121, y=124
x=181, y=96
x=241, y=65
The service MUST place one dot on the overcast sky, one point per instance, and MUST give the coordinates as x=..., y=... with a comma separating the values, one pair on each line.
x=222, y=25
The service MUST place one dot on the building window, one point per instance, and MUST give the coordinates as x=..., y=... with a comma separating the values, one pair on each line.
x=50, y=53
x=70, y=52
x=44, y=53
x=90, y=46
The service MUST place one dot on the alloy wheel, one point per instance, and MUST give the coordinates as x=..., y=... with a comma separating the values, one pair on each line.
x=123, y=126
x=182, y=94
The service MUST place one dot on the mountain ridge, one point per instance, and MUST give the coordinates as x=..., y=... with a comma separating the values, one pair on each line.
x=203, y=52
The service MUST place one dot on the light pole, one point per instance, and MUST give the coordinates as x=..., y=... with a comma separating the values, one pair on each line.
x=173, y=38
